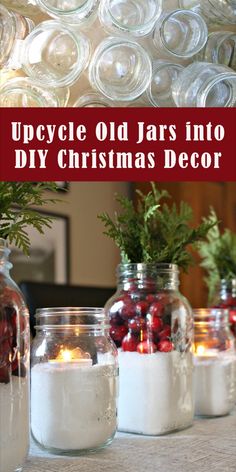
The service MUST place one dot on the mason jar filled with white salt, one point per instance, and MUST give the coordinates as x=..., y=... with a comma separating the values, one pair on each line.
x=214, y=363
x=74, y=380
x=151, y=324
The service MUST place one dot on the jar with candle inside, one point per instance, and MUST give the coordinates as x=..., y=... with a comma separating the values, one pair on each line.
x=73, y=380
x=214, y=363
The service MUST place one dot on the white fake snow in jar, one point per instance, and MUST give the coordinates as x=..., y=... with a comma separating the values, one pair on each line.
x=14, y=423
x=73, y=407
x=214, y=385
x=155, y=392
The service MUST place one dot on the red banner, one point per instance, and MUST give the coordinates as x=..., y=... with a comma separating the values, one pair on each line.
x=126, y=144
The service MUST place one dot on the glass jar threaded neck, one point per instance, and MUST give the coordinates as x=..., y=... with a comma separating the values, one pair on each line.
x=63, y=318
x=5, y=265
x=228, y=287
x=148, y=275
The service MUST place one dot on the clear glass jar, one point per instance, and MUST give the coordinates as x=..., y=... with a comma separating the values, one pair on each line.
x=73, y=380
x=164, y=74
x=75, y=12
x=14, y=370
x=226, y=298
x=120, y=69
x=24, y=7
x=135, y=18
x=220, y=48
x=13, y=27
x=204, y=84
x=180, y=33
x=219, y=11
x=151, y=323
x=214, y=363
x=93, y=100
x=24, y=92
x=54, y=55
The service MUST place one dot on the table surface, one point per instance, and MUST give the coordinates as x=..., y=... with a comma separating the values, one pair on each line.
x=208, y=446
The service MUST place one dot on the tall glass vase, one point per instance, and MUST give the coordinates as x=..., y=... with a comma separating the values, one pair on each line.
x=14, y=370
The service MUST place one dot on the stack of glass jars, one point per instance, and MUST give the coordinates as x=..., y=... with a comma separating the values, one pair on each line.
x=124, y=53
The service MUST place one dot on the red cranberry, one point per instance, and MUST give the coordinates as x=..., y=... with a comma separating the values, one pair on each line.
x=146, y=347
x=165, y=346
x=150, y=298
x=116, y=320
x=156, y=324
x=129, y=343
x=127, y=311
x=156, y=309
x=165, y=332
x=141, y=307
x=118, y=332
x=232, y=316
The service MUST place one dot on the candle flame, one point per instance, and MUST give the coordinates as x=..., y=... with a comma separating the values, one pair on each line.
x=200, y=350
x=65, y=355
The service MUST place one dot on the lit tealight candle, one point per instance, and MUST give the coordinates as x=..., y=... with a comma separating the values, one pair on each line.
x=72, y=357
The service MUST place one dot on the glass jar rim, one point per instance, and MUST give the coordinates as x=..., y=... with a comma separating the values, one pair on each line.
x=186, y=13
x=208, y=315
x=60, y=318
x=60, y=12
x=20, y=89
x=142, y=267
x=79, y=40
x=106, y=46
x=132, y=28
x=212, y=81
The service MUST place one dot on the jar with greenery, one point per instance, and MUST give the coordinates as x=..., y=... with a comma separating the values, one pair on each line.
x=151, y=321
x=218, y=253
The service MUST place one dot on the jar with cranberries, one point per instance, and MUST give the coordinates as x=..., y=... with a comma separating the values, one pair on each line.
x=151, y=324
x=14, y=370
x=226, y=298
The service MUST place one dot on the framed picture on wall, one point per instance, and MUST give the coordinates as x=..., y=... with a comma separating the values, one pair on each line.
x=49, y=254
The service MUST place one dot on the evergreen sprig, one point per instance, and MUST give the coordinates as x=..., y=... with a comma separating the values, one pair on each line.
x=16, y=212
x=218, y=253
x=152, y=231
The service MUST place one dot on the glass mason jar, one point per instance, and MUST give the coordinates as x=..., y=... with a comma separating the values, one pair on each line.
x=135, y=18
x=93, y=100
x=180, y=33
x=13, y=27
x=220, y=48
x=120, y=69
x=159, y=92
x=14, y=370
x=73, y=380
x=226, y=298
x=24, y=92
x=219, y=11
x=151, y=323
x=214, y=363
x=204, y=84
x=54, y=55
x=76, y=12
x=24, y=7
